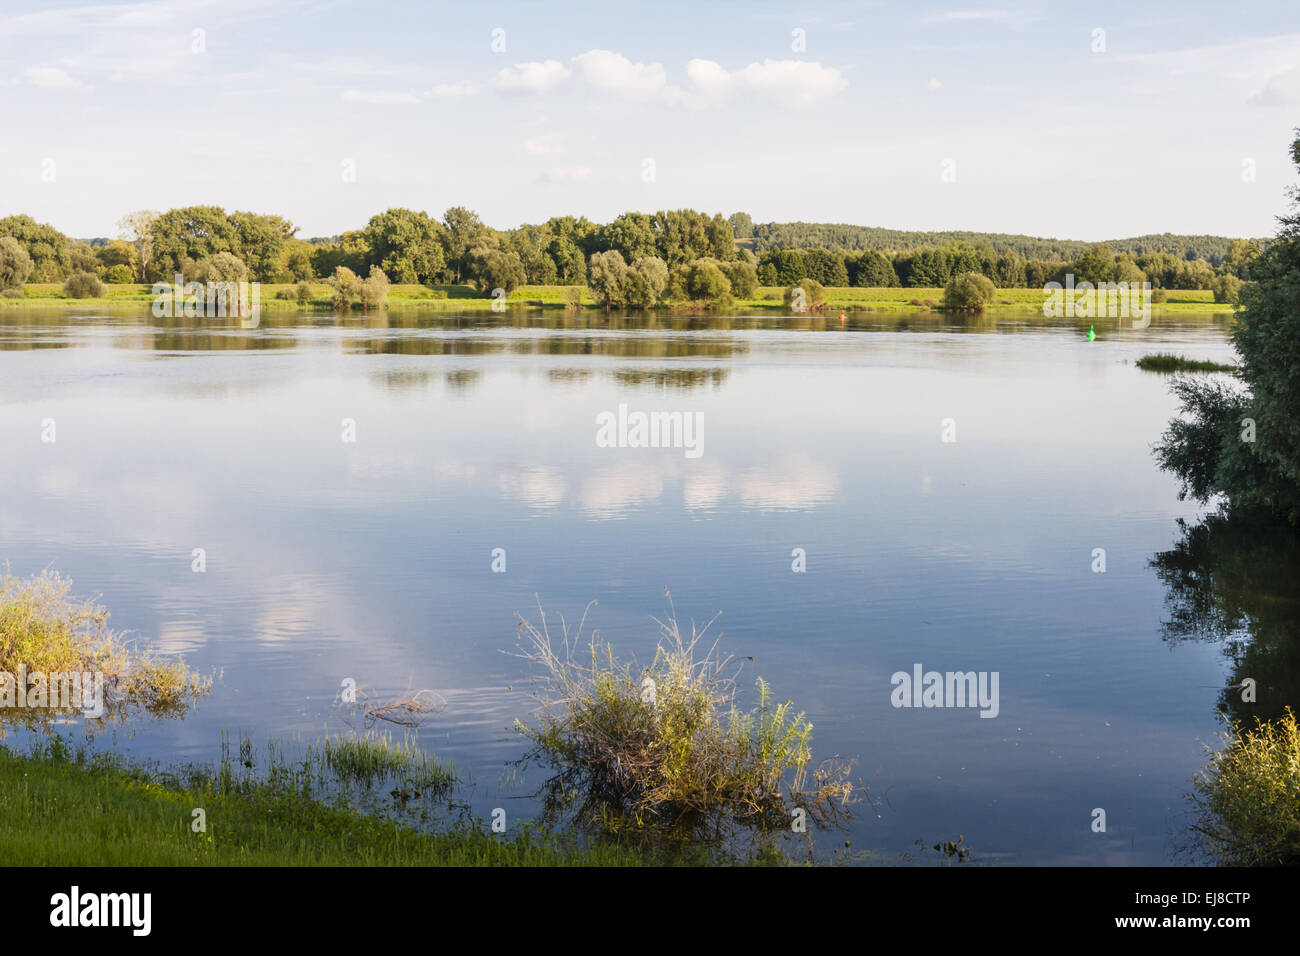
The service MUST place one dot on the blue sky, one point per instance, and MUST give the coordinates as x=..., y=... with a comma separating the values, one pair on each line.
x=992, y=117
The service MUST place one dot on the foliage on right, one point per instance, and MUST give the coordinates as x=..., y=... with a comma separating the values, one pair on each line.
x=1241, y=440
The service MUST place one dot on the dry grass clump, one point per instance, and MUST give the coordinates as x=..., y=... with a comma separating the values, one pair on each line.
x=43, y=631
x=669, y=743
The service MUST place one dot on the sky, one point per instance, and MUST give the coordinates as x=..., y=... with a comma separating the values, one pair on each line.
x=1072, y=120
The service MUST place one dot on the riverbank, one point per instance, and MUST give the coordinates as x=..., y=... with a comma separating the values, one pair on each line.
x=461, y=298
x=66, y=809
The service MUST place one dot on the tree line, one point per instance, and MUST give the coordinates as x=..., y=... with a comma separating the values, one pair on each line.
x=935, y=266
x=819, y=235
x=696, y=250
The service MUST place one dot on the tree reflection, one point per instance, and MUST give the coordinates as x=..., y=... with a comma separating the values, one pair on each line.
x=1239, y=583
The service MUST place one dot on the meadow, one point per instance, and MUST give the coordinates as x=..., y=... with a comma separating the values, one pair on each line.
x=463, y=298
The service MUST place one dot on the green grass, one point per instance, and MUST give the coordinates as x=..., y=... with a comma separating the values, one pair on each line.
x=71, y=809
x=1168, y=362
x=461, y=298
x=373, y=757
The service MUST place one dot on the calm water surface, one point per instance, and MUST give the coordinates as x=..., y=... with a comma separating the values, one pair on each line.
x=372, y=560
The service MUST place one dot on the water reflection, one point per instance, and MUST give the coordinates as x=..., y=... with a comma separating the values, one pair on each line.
x=1237, y=583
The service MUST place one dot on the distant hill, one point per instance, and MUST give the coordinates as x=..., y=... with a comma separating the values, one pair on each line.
x=826, y=235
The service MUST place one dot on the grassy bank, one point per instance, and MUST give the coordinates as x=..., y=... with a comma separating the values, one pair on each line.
x=1168, y=363
x=460, y=298
x=66, y=809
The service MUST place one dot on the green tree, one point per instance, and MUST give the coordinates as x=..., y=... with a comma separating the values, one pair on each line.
x=1096, y=265
x=968, y=292
x=742, y=224
x=743, y=277
x=1227, y=288
x=15, y=264
x=259, y=241
x=407, y=245
x=463, y=229
x=782, y=267
x=191, y=232
x=137, y=228
x=83, y=285
x=632, y=234
x=647, y=280
x=490, y=266
x=347, y=288
x=45, y=245
x=706, y=282
x=118, y=253
x=1241, y=253
x=873, y=270
x=374, y=290
x=570, y=266
x=607, y=278
x=1242, y=442
x=806, y=295
x=826, y=266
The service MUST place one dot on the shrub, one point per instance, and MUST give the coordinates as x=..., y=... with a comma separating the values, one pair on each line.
x=15, y=264
x=647, y=279
x=83, y=285
x=706, y=282
x=669, y=741
x=1248, y=796
x=41, y=629
x=968, y=292
x=303, y=291
x=573, y=297
x=13, y=294
x=807, y=295
x=607, y=278
x=743, y=277
x=374, y=290
x=1159, y=295
x=119, y=275
x=347, y=288
x=1227, y=289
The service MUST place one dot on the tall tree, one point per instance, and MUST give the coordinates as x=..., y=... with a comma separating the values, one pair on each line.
x=136, y=228
x=463, y=229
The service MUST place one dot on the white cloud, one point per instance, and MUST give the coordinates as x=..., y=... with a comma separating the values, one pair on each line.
x=523, y=78
x=51, y=78
x=793, y=82
x=615, y=73
x=566, y=174
x=1256, y=62
x=964, y=15
x=443, y=91
x=380, y=97
x=546, y=145
x=451, y=91
x=1280, y=90
x=783, y=82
